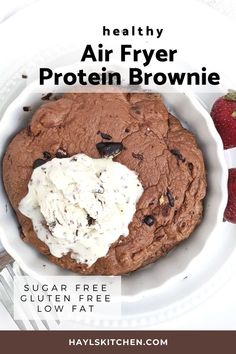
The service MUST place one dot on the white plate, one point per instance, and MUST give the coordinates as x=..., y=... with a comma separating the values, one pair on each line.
x=204, y=274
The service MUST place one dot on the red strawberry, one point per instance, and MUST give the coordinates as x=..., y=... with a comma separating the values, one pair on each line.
x=224, y=116
x=230, y=211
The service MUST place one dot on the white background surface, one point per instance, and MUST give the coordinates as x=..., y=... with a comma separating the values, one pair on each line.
x=218, y=312
x=226, y=7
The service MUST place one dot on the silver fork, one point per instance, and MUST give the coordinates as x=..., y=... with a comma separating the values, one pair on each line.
x=7, y=274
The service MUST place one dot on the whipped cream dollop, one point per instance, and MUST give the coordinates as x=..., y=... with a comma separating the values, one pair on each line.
x=81, y=205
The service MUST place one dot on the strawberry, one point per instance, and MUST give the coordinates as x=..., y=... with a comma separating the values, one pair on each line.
x=230, y=211
x=224, y=116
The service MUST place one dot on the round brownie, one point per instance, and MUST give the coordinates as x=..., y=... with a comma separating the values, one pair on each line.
x=165, y=156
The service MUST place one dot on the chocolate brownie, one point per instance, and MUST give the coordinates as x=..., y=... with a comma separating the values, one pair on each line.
x=165, y=156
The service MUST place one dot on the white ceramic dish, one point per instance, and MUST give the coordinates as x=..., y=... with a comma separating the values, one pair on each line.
x=152, y=279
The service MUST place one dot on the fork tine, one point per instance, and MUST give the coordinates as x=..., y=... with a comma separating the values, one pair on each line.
x=31, y=324
x=52, y=321
x=7, y=322
x=7, y=303
x=13, y=270
x=36, y=322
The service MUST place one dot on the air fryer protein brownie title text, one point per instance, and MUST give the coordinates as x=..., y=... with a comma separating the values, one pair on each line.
x=125, y=52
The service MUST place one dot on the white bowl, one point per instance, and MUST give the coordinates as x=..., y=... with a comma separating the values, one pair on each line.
x=160, y=282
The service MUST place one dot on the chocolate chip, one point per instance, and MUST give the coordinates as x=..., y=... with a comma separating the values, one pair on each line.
x=107, y=149
x=177, y=154
x=47, y=155
x=26, y=108
x=106, y=136
x=38, y=163
x=46, y=97
x=60, y=154
x=91, y=221
x=138, y=156
x=149, y=220
x=170, y=197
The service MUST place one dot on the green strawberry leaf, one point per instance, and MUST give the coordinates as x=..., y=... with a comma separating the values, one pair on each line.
x=231, y=96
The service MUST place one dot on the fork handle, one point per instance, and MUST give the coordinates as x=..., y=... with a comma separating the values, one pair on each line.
x=5, y=259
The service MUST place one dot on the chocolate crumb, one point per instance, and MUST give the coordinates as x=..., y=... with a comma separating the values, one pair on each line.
x=107, y=149
x=38, y=163
x=24, y=76
x=26, y=108
x=149, y=220
x=177, y=154
x=46, y=97
x=106, y=136
x=60, y=154
x=170, y=197
x=127, y=130
x=91, y=221
x=47, y=155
